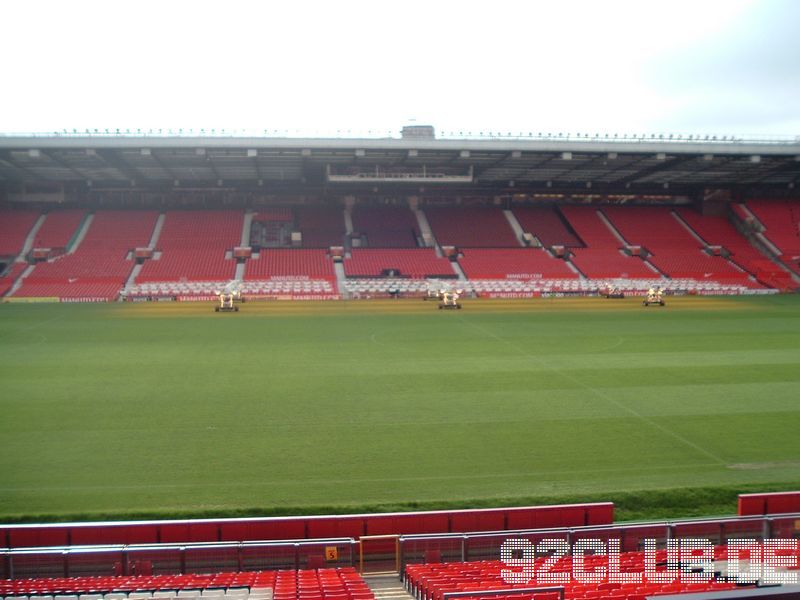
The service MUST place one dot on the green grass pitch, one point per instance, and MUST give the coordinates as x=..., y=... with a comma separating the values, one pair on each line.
x=121, y=410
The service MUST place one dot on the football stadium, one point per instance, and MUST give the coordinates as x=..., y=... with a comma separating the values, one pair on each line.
x=405, y=364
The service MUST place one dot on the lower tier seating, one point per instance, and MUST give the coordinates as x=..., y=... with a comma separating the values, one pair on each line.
x=307, y=584
x=278, y=262
x=410, y=262
x=609, y=263
x=190, y=264
x=83, y=288
x=513, y=263
x=431, y=581
x=273, y=287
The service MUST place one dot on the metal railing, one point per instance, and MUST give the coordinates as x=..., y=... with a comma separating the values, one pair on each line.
x=486, y=545
x=174, y=559
x=372, y=554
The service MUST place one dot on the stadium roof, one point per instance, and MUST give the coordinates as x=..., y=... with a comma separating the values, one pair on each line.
x=158, y=160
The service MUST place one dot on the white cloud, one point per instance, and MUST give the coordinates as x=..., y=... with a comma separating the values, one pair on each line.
x=622, y=65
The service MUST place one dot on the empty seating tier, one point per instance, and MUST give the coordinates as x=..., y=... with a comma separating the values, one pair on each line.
x=431, y=581
x=781, y=220
x=471, y=227
x=309, y=263
x=306, y=584
x=547, y=225
x=193, y=246
x=14, y=228
x=100, y=265
x=386, y=226
x=675, y=251
x=587, y=223
x=719, y=231
x=513, y=263
x=271, y=215
x=411, y=262
x=610, y=264
x=321, y=227
x=58, y=228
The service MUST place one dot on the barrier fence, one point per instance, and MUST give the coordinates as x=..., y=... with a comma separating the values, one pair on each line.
x=486, y=546
x=260, y=529
x=175, y=559
x=371, y=554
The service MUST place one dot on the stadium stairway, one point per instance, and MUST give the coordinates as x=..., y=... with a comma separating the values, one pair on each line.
x=459, y=271
x=387, y=587
x=425, y=230
x=348, y=222
x=84, y=227
x=247, y=223
x=131, y=282
x=341, y=277
x=512, y=221
x=28, y=246
x=18, y=282
x=157, y=230
x=612, y=228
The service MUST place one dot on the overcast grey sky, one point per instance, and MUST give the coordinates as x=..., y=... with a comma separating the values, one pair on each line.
x=626, y=66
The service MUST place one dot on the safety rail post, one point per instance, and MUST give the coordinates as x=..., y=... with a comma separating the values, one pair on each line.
x=464, y=547
x=183, y=560
x=297, y=557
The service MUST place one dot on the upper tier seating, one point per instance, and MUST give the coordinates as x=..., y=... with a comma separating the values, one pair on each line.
x=546, y=224
x=290, y=263
x=719, y=231
x=7, y=280
x=14, y=228
x=271, y=227
x=321, y=227
x=602, y=259
x=386, y=226
x=58, y=228
x=781, y=220
x=513, y=263
x=193, y=244
x=471, y=227
x=276, y=214
x=99, y=266
x=675, y=252
x=410, y=262
x=586, y=222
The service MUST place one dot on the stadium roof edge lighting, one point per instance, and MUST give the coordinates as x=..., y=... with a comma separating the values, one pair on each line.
x=535, y=143
x=670, y=138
